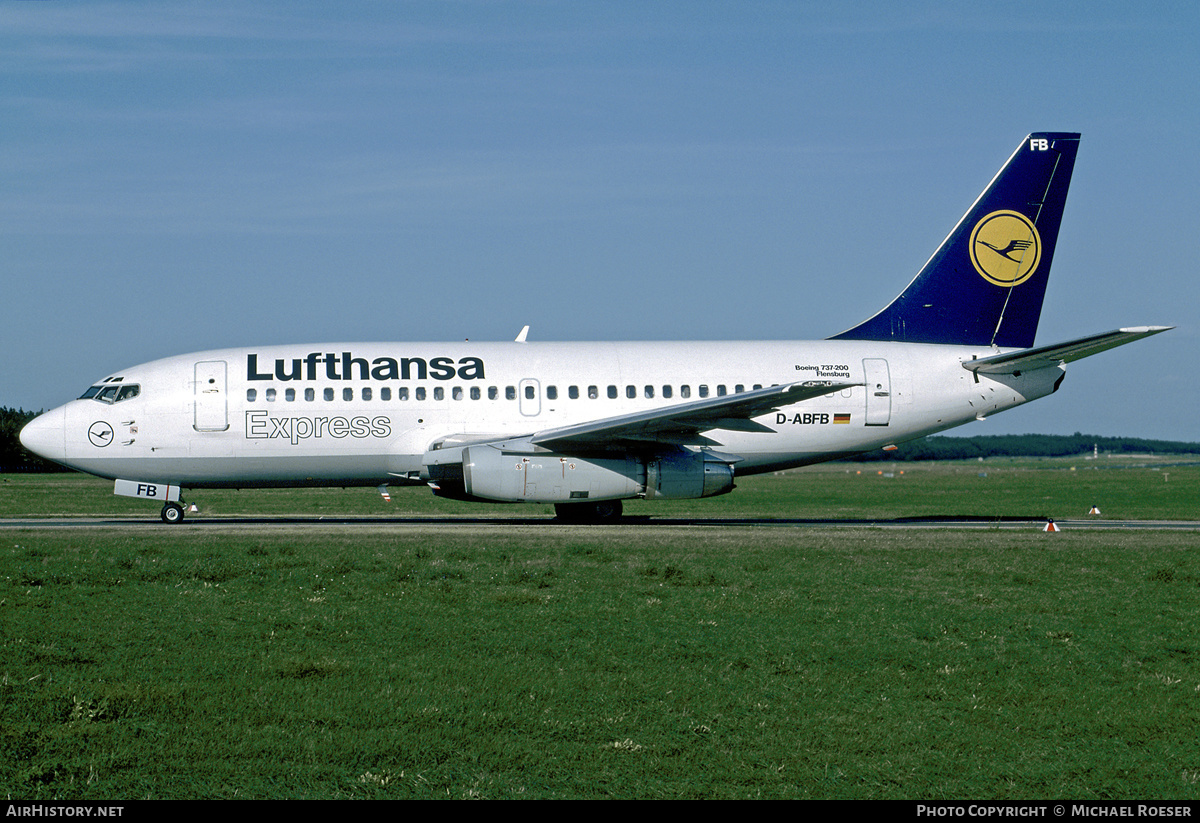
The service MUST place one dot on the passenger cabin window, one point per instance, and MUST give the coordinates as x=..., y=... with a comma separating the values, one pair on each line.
x=573, y=392
x=593, y=392
x=703, y=389
x=685, y=391
x=667, y=392
x=552, y=392
x=251, y=395
x=289, y=395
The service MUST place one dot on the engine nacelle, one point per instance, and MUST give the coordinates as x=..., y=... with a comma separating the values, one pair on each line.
x=491, y=472
x=545, y=477
x=684, y=475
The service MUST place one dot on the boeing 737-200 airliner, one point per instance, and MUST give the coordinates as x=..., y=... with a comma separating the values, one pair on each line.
x=587, y=425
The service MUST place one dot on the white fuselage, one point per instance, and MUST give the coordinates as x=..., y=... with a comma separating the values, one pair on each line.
x=366, y=413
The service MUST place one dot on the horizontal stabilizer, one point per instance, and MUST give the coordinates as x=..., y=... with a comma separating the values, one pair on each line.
x=1046, y=356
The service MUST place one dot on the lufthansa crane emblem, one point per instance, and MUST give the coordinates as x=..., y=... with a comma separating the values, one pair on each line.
x=101, y=434
x=1005, y=248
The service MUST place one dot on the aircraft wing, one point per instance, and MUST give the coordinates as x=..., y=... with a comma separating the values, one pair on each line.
x=682, y=424
x=1045, y=356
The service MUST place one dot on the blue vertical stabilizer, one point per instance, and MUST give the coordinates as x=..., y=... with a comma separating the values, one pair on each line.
x=985, y=283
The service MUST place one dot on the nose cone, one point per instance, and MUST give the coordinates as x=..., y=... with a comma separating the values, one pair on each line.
x=45, y=435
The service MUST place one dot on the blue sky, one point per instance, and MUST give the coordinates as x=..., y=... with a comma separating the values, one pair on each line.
x=182, y=176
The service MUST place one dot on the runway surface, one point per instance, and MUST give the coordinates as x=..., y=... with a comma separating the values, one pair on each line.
x=348, y=523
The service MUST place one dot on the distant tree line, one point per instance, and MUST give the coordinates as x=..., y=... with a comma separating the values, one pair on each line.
x=937, y=447
x=14, y=458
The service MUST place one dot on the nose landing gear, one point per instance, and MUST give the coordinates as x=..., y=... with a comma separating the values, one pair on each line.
x=172, y=512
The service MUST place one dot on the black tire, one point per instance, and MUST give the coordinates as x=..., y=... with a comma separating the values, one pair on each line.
x=608, y=511
x=172, y=513
x=603, y=511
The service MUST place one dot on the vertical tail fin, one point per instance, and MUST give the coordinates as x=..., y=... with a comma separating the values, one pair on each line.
x=985, y=283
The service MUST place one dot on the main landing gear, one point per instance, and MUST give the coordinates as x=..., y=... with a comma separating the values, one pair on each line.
x=603, y=511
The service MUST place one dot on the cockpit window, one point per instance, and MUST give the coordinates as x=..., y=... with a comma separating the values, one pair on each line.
x=112, y=394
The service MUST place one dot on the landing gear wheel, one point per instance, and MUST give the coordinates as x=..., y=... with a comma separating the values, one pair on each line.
x=604, y=511
x=607, y=511
x=172, y=513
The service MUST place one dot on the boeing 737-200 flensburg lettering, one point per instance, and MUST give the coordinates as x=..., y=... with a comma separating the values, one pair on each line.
x=587, y=425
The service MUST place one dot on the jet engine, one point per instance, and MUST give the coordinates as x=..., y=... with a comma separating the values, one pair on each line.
x=502, y=473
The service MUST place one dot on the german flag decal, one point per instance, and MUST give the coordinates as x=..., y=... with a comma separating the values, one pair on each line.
x=841, y=418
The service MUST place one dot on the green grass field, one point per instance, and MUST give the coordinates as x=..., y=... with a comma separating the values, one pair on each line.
x=473, y=658
x=1124, y=488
